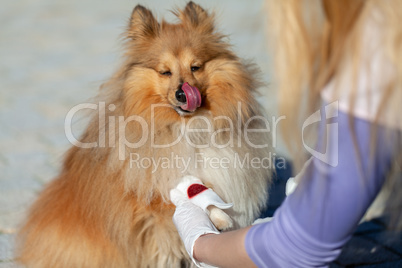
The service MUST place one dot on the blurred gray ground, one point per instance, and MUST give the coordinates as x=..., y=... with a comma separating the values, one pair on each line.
x=54, y=55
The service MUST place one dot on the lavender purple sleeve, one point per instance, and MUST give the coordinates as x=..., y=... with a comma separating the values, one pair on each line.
x=316, y=220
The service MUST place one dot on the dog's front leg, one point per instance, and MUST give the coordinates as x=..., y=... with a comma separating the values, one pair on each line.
x=219, y=218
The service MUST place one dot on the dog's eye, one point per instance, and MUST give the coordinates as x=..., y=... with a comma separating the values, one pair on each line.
x=167, y=73
x=195, y=68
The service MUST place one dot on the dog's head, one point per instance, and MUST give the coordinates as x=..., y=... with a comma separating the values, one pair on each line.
x=187, y=67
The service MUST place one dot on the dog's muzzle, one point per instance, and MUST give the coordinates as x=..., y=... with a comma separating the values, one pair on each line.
x=189, y=97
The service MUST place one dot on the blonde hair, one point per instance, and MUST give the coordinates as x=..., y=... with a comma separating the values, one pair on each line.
x=311, y=39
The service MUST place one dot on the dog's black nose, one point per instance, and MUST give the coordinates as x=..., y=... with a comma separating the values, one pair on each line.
x=180, y=96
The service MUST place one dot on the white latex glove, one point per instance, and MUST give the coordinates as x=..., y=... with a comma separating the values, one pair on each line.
x=191, y=199
x=262, y=220
x=291, y=185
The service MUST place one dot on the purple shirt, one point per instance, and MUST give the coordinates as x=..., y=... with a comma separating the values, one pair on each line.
x=317, y=219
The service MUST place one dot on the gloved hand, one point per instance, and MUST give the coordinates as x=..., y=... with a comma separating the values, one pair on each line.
x=192, y=199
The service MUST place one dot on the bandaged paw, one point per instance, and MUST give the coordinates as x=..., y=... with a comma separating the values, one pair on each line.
x=193, y=189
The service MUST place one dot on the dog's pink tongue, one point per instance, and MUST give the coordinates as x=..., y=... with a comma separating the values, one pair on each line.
x=193, y=97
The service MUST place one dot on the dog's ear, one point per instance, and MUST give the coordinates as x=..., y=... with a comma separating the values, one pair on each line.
x=197, y=17
x=142, y=24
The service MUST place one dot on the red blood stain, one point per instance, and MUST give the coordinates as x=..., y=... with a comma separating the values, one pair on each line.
x=195, y=189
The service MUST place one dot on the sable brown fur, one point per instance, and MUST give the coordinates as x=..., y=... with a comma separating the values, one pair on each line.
x=101, y=211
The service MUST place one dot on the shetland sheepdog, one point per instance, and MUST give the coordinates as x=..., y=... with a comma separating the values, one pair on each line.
x=182, y=103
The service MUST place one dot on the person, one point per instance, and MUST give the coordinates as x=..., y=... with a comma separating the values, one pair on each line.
x=346, y=57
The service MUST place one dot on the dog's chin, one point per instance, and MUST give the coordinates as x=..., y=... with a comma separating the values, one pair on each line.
x=182, y=112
